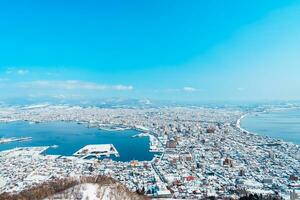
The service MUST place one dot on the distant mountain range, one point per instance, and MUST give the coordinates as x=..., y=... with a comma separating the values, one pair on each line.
x=117, y=102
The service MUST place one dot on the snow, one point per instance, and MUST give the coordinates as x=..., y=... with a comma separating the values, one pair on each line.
x=92, y=191
x=89, y=191
x=2, y=182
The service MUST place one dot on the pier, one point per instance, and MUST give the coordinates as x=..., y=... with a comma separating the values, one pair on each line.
x=97, y=150
x=8, y=140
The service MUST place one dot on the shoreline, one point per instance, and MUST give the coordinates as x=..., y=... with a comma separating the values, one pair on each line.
x=240, y=128
x=238, y=123
x=141, y=132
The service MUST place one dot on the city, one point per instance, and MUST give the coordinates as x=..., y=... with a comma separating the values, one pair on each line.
x=150, y=100
x=201, y=152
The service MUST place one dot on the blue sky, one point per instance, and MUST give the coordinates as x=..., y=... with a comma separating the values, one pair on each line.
x=165, y=50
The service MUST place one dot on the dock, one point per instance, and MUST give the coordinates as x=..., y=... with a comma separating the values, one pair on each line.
x=97, y=150
x=8, y=140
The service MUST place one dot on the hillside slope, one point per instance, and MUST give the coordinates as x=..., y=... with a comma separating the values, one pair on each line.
x=83, y=188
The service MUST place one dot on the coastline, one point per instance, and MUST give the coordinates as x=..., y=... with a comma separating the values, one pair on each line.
x=264, y=135
x=238, y=123
x=154, y=147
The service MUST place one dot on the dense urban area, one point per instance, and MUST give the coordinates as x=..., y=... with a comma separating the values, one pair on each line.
x=199, y=153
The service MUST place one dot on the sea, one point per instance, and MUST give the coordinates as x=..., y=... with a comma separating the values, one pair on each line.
x=71, y=136
x=279, y=124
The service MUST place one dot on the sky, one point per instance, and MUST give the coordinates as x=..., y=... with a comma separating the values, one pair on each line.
x=216, y=50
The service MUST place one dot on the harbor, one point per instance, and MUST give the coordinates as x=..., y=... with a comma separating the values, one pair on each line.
x=69, y=137
x=199, y=152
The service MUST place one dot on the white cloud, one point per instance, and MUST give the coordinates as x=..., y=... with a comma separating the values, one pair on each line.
x=22, y=71
x=178, y=90
x=71, y=85
x=122, y=87
x=189, y=89
x=15, y=71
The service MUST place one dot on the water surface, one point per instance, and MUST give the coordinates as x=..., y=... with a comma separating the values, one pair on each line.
x=70, y=137
x=283, y=124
